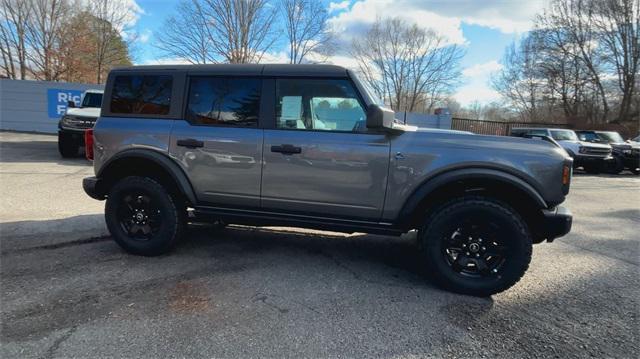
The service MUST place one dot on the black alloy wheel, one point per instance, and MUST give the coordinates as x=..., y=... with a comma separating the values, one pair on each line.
x=476, y=249
x=139, y=215
x=475, y=245
x=144, y=216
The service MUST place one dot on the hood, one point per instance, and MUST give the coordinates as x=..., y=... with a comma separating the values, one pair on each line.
x=593, y=144
x=470, y=141
x=409, y=128
x=84, y=111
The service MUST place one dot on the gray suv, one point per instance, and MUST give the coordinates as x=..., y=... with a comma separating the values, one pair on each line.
x=309, y=146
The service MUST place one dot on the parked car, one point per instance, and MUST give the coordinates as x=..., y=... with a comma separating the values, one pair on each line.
x=592, y=157
x=76, y=120
x=308, y=146
x=626, y=155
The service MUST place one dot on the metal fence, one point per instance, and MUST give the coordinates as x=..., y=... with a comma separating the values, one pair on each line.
x=496, y=127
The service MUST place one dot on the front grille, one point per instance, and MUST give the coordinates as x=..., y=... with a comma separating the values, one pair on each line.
x=597, y=151
x=79, y=122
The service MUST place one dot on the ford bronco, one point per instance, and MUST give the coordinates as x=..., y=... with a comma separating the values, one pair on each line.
x=309, y=146
x=76, y=120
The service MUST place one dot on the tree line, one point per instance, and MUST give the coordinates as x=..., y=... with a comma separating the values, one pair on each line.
x=63, y=40
x=579, y=65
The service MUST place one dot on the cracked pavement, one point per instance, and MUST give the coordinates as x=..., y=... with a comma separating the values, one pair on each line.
x=67, y=290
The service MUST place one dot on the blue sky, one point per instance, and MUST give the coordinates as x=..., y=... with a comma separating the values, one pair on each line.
x=483, y=28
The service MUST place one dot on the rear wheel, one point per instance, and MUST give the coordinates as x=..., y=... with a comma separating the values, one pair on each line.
x=67, y=146
x=143, y=217
x=476, y=245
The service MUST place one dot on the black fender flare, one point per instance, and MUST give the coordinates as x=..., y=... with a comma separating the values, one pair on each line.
x=160, y=159
x=430, y=185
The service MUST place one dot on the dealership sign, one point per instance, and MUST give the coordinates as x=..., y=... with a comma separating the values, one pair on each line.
x=58, y=99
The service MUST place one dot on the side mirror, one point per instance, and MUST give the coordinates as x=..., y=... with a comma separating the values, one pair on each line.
x=379, y=117
x=71, y=104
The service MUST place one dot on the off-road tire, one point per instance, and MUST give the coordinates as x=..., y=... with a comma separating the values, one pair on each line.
x=172, y=216
x=432, y=244
x=67, y=146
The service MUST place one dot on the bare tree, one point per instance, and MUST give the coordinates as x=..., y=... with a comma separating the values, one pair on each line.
x=45, y=30
x=403, y=63
x=13, y=19
x=234, y=31
x=576, y=20
x=185, y=35
x=618, y=26
x=110, y=20
x=307, y=30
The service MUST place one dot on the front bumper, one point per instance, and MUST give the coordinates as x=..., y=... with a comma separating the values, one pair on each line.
x=557, y=222
x=580, y=160
x=93, y=187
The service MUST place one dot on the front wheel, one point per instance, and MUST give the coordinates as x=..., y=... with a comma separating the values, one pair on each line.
x=67, y=146
x=143, y=217
x=476, y=245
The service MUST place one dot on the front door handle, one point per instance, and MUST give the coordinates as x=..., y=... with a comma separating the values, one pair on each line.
x=286, y=149
x=190, y=143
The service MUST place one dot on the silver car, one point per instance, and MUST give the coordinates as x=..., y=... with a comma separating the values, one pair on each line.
x=308, y=146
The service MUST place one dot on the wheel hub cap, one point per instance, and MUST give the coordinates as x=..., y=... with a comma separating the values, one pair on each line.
x=474, y=247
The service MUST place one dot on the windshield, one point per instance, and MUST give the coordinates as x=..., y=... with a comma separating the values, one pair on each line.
x=588, y=136
x=564, y=135
x=92, y=100
x=610, y=137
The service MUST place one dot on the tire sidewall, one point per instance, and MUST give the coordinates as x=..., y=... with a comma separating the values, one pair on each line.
x=67, y=146
x=511, y=225
x=170, y=226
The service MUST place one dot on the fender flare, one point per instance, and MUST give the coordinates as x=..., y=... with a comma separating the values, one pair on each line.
x=162, y=160
x=430, y=185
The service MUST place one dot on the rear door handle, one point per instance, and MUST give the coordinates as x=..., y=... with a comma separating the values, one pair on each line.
x=190, y=143
x=286, y=149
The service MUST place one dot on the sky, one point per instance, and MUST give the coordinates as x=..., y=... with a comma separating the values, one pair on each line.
x=483, y=28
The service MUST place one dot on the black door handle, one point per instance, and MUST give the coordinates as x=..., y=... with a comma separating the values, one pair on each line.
x=190, y=143
x=286, y=149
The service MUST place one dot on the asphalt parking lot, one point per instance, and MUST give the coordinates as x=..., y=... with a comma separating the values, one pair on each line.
x=67, y=290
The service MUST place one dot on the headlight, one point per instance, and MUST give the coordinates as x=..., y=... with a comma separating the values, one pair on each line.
x=626, y=152
x=66, y=120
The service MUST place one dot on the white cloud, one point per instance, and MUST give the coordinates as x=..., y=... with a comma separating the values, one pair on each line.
x=281, y=57
x=480, y=92
x=510, y=16
x=357, y=20
x=144, y=36
x=169, y=61
x=484, y=69
x=339, y=6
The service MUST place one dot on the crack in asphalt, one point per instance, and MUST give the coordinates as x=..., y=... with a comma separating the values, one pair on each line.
x=56, y=245
x=51, y=351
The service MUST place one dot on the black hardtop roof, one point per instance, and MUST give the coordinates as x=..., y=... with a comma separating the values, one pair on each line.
x=247, y=69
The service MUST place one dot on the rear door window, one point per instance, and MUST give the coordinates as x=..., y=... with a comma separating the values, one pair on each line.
x=141, y=94
x=224, y=101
